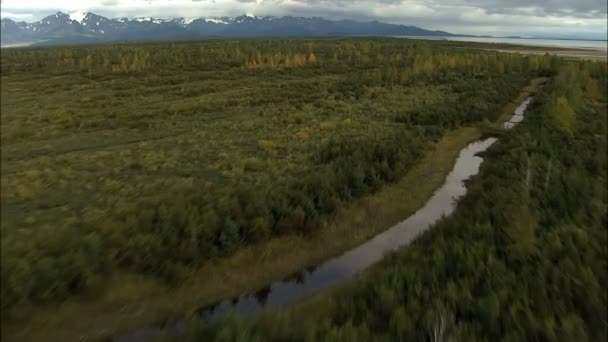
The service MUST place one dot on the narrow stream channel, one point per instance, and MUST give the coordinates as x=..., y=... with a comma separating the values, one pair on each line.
x=518, y=115
x=342, y=268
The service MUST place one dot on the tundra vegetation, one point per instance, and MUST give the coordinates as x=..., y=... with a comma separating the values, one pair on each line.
x=523, y=257
x=155, y=158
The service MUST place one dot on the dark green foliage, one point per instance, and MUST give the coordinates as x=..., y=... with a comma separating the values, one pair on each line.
x=522, y=258
x=156, y=157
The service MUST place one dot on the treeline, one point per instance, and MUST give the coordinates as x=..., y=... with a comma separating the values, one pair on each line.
x=407, y=60
x=523, y=257
x=164, y=234
x=280, y=60
x=344, y=170
x=478, y=99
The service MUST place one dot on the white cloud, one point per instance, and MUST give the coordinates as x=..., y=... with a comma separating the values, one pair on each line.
x=17, y=16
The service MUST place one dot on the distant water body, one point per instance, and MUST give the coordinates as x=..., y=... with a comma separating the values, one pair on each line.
x=565, y=43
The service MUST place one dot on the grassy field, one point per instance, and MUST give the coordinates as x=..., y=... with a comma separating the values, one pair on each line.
x=133, y=171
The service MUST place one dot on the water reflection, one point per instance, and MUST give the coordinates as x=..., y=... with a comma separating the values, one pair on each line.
x=262, y=294
x=297, y=277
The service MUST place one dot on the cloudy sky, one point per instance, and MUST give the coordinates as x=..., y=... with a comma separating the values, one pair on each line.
x=540, y=18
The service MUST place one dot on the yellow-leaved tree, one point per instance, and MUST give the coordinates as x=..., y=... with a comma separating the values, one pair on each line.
x=312, y=58
x=563, y=115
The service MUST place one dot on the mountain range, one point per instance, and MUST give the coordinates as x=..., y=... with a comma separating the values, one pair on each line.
x=61, y=28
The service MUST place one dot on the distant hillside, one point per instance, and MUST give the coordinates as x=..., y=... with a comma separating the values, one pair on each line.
x=59, y=28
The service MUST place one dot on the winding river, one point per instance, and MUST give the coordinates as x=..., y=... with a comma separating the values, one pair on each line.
x=342, y=268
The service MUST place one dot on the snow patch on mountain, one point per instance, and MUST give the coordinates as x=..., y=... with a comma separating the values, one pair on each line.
x=216, y=21
x=78, y=16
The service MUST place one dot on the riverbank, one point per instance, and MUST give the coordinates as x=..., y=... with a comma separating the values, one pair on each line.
x=253, y=267
x=526, y=92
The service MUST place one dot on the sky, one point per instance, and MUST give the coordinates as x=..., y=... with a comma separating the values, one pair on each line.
x=537, y=18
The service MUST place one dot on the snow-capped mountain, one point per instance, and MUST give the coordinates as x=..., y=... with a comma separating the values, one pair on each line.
x=61, y=28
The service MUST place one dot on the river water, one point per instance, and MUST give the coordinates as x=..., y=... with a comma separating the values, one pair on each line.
x=342, y=268
x=518, y=115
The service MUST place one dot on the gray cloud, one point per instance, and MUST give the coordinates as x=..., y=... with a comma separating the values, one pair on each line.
x=579, y=8
x=499, y=17
x=559, y=7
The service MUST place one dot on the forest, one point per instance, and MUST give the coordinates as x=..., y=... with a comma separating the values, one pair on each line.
x=522, y=258
x=154, y=159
